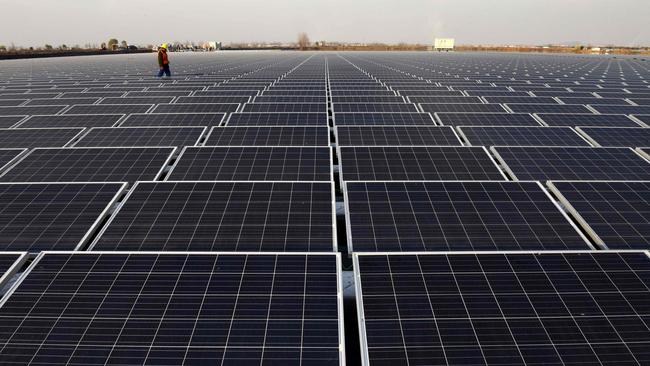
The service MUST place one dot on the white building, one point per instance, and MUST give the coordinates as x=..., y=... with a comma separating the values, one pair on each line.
x=444, y=44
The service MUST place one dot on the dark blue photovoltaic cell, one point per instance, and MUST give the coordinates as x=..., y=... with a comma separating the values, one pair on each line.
x=223, y=216
x=504, y=309
x=396, y=135
x=277, y=119
x=383, y=119
x=572, y=120
x=455, y=216
x=487, y=119
x=174, y=309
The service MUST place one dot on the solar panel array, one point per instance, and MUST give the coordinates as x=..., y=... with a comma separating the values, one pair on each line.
x=474, y=201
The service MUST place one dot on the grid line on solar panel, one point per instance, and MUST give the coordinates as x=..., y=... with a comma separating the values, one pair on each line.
x=396, y=135
x=521, y=136
x=141, y=136
x=616, y=136
x=224, y=216
x=571, y=163
x=613, y=213
x=177, y=308
x=486, y=119
x=575, y=120
x=92, y=164
x=456, y=216
x=38, y=137
x=550, y=308
x=53, y=216
x=71, y=120
x=417, y=163
x=462, y=108
x=195, y=108
x=268, y=136
x=253, y=163
x=276, y=119
x=174, y=119
x=383, y=118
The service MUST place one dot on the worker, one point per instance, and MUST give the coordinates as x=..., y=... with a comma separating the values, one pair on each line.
x=163, y=61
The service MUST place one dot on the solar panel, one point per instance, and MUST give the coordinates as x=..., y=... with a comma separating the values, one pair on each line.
x=463, y=108
x=141, y=136
x=610, y=109
x=107, y=109
x=174, y=119
x=373, y=107
x=137, y=100
x=173, y=308
x=224, y=216
x=487, y=119
x=286, y=107
x=365, y=99
x=521, y=136
x=195, y=108
x=396, y=135
x=7, y=156
x=503, y=309
x=525, y=100
x=277, y=119
x=383, y=119
x=61, y=101
x=71, y=120
x=37, y=137
x=253, y=164
x=52, y=216
x=214, y=99
x=617, y=136
x=9, y=121
x=90, y=165
x=572, y=163
x=29, y=111
x=444, y=99
x=269, y=136
x=548, y=108
x=572, y=120
x=613, y=214
x=594, y=100
x=456, y=216
x=417, y=163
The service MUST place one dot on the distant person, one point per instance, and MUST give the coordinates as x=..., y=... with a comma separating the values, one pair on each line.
x=163, y=61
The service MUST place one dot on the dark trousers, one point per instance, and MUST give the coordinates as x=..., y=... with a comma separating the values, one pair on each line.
x=165, y=70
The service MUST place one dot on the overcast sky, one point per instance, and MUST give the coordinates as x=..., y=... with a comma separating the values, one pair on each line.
x=36, y=22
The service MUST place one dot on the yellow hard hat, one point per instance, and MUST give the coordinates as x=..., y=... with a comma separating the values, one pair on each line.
x=164, y=45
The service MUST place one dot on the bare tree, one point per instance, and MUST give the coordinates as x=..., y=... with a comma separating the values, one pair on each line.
x=303, y=40
x=112, y=43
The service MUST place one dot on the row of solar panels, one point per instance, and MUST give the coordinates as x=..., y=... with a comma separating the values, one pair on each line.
x=172, y=308
x=321, y=119
x=300, y=216
x=284, y=163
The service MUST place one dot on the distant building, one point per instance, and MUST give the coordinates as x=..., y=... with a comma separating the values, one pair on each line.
x=444, y=44
x=212, y=46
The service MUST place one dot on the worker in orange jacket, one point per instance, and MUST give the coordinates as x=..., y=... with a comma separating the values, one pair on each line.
x=163, y=61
